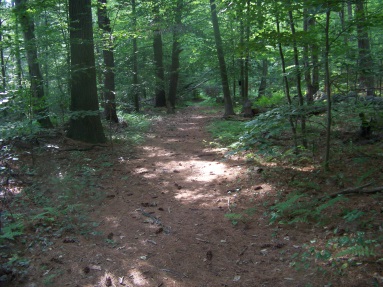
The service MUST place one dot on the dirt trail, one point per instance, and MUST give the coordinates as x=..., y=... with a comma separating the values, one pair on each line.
x=163, y=220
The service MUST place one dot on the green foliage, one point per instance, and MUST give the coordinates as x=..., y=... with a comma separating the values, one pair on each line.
x=136, y=127
x=298, y=207
x=276, y=99
x=261, y=131
x=242, y=217
x=226, y=133
x=11, y=229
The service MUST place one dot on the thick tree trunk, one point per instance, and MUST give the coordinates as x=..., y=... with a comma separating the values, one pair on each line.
x=175, y=65
x=36, y=78
x=366, y=63
x=110, y=112
x=85, y=123
x=135, y=90
x=229, y=110
x=160, y=95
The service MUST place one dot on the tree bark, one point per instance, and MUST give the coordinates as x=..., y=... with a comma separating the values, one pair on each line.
x=229, y=110
x=2, y=63
x=36, y=78
x=310, y=90
x=175, y=65
x=85, y=124
x=160, y=94
x=328, y=90
x=110, y=111
x=366, y=63
x=287, y=87
x=136, y=94
x=263, y=84
x=298, y=78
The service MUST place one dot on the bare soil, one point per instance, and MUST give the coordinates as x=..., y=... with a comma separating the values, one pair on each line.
x=161, y=220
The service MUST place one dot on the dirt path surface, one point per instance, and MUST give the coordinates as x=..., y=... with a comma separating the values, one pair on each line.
x=163, y=224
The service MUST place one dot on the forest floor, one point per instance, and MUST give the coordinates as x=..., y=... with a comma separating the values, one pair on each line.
x=156, y=217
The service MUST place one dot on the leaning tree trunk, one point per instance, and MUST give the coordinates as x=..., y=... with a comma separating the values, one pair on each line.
x=287, y=87
x=110, y=112
x=36, y=78
x=85, y=124
x=229, y=110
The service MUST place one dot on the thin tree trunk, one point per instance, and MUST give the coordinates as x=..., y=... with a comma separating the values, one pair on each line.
x=110, y=111
x=2, y=63
x=36, y=78
x=85, y=124
x=242, y=64
x=263, y=85
x=247, y=51
x=287, y=88
x=328, y=90
x=229, y=110
x=298, y=79
x=306, y=63
x=136, y=94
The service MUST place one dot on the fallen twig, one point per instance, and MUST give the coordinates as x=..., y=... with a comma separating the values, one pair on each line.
x=356, y=190
x=202, y=240
x=243, y=251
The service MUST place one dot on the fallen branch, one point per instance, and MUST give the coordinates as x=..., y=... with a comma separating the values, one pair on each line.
x=357, y=190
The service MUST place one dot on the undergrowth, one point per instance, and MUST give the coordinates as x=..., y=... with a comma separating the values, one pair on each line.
x=352, y=233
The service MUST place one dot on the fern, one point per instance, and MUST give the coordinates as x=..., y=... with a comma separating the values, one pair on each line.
x=357, y=250
x=328, y=204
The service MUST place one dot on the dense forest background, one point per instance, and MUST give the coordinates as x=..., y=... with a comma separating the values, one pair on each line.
x=163, y=53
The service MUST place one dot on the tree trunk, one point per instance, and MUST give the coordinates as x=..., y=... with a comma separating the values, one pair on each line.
x=229, y=110
x=2, y=63
x=136, y=94
x=298, y=79
x=85, y=123
x=175, y=65
x=287, y=87
x=160, y=95
x=328, y=90
x=241, y=81
x=110, y=112
x=307, y=22
x=17, y=53
x=366, y=63
x=36, y=78
x=263, y=85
